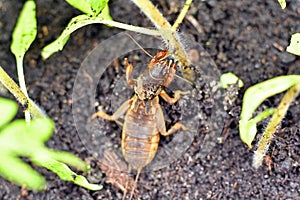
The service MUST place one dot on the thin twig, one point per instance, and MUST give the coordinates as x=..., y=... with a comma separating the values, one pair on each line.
x=182, y=14
x=168, y=34
x=26, y=102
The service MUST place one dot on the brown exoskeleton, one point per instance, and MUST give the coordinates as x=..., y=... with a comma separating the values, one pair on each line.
x=144, y=119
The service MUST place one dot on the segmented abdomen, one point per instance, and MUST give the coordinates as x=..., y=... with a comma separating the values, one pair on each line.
x=139, y=138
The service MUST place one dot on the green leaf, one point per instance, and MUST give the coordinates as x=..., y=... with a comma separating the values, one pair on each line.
x=249, y=127
x=76, y=23
x=81, y=180
x=26, y=139
x=282, y=3
x=254, y=96
x=294, y=46
x=64, y=173
x=55, y=46
x=17, y=171
x=248, y=132
x=25, y=30
x=98, y=5
x=19, y=139
x=105, y=13
x=69, y=159
x=82, y=5
x=230, y=79
x=8, y=110
x=90, y=7
x=58, y=44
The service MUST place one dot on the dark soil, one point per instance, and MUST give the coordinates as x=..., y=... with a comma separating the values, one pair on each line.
x=247, y=38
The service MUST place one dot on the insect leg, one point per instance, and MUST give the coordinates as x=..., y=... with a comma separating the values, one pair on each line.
x=119, y=112
x=129, y=68
x=161, y=126
x=173, y=100
x=174, y=128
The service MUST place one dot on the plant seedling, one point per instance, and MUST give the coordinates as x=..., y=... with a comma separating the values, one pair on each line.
x=229, y=79
x=256, y=94
x=95, y=11
x=253, y=97
x=19, y=139
x=24, y=139
x=22, y=37
x=294, y=46
x=102, y=16
x=282, y=3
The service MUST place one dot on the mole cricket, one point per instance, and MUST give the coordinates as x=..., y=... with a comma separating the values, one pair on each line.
x=144, y=119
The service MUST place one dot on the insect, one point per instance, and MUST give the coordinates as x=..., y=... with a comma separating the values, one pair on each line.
x=144, y=120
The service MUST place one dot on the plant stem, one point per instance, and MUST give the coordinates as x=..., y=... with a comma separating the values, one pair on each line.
x=26, y=102
x=93, y=20
x=120, y=25
x=169, y=35
x=277, y=117
x=182, y=14
x=22, y=83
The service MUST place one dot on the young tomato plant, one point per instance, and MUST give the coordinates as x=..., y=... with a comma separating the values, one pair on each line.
x=253, y=97
x=26, y=139
x=19, y=139
x=23, y=35
x=256, y=94
x=228, y=79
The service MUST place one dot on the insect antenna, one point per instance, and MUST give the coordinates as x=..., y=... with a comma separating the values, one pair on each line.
x=135, y=183
x=189, y=82
x=146, y=52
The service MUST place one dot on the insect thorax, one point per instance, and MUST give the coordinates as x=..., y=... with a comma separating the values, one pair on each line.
x=146, y=87
x=147, y=91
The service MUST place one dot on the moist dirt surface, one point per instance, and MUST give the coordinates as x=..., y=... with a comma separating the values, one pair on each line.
x=247, y=38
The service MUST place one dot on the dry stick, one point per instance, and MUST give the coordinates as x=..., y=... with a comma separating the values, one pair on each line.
x=182, y=14
x=277, y=117
x=169, y=35
x=26, y=102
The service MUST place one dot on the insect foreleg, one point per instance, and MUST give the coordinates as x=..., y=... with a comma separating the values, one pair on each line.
x=173, y=100
x=129, y=68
